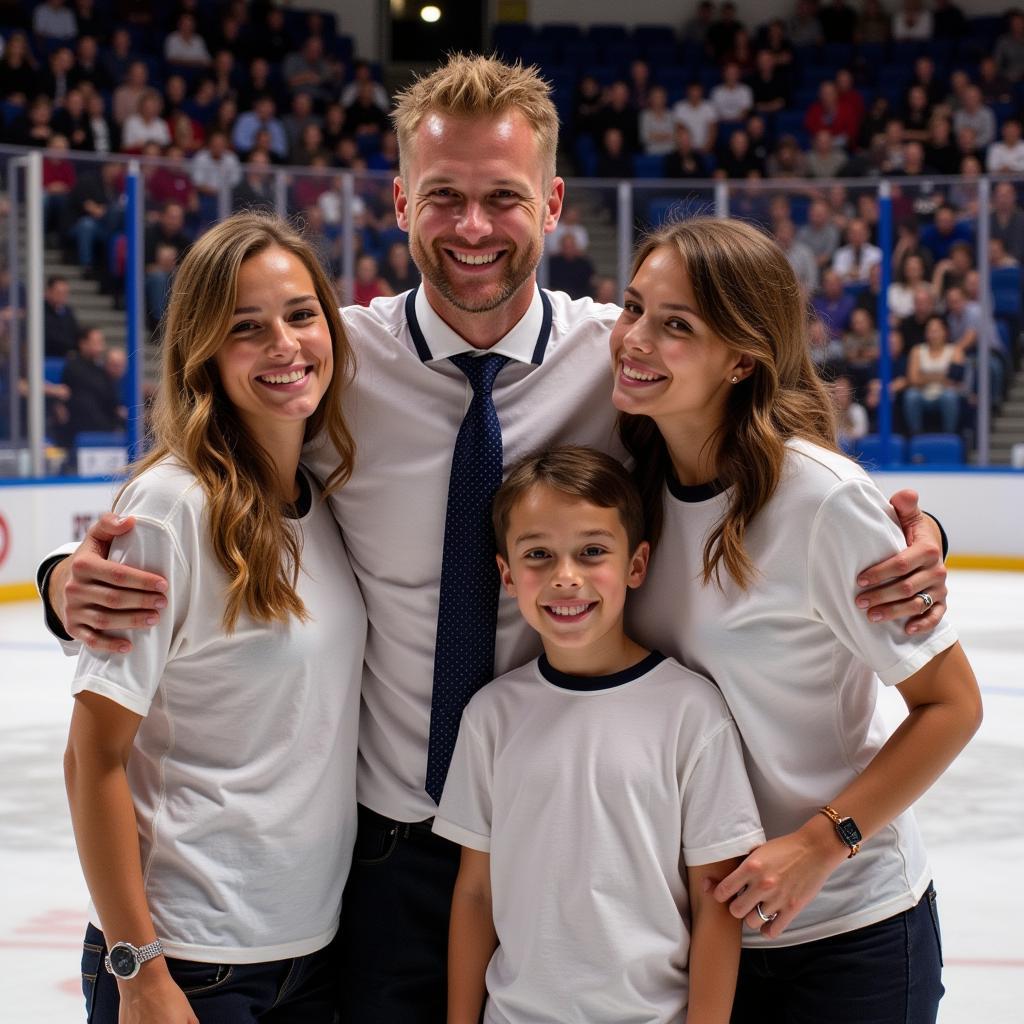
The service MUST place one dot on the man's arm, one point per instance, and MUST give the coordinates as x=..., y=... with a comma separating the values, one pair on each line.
x=714, y=946
x=471, y=938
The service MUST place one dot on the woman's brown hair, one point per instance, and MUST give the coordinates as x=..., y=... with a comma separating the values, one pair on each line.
x=748, y=295
x=196, y=425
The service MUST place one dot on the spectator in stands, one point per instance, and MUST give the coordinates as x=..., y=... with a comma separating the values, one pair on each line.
x=925, y=77
x=60, y=326
x=259, y=81
x=33, y=127
x=56, y=80
x=165, y=243
x=617, y=112
x=912, y=327
x=994, y=85
x=826, y=351
x=270, y=40
x=838, y=22
x=953, y=270
x=853, y=261
x=94, y=402
x=931, y=387
x=917, y=114
x=362, y=72
x=256, y=189
x=695, y=30
x=214, y=168
x=570, y=270
x=851, y=103
x=17, y=70
x=262, y=117
x=170, y=181
x=89, y=22
x=787, y=161
x=571, y=222
x=613, y=159
x=873, y=125
x=185, y=47
x=833, y=305
x=127, y=95
x=52, y=21
x=117, y=57
x=73, y=122
x=657, y=125
x=309, y=146
x=684, y=161
x=940, y=151
x=640, y=84
x=773, y=37
x=800, y=257
x=368, y=284
x=1007, y=220
x=105, y=136
x=94, y=214
x=860, y=348
x=333, y=126
x=769, y=84
x=825, y=157
x=58, y=180
x=146, y=125
x=698, y=117
x=363, y=116
x=88, y=70
x=803, y=28
x=175, y=95
x=1007, y=155
x=998, y=257
x=826, y=114
x=399, y=270
x=757, y=135
x=225, y=117
x=309, y=70
x=948, y=20
x=588, y=102
x=736, y=160
x=186, y=135
x=966, y=323
x=911, y=274
x=897, y=381
x=976, y=116
x=721, y=35
x=912, y=22
x=851, y=416
x=731, y=98
x=940, y=235
x=1009, y=51
x=873, y=23
x=820, y=234
x=300, y=115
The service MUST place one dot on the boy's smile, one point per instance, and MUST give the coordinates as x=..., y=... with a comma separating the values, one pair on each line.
x=569, y=566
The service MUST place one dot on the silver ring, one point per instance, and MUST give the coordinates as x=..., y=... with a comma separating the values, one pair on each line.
x=927, y=598
x=767, y=918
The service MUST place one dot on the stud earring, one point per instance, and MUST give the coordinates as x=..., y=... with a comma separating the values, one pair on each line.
x=735, y=379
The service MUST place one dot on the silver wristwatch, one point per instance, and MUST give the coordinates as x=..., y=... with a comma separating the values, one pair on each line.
x=124, y=959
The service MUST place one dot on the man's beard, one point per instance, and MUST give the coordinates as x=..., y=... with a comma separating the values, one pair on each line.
x=517, y=270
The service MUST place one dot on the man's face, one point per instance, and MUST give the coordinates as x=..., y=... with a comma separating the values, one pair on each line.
x=475, y=203
x=172, y=219
x=92, y=346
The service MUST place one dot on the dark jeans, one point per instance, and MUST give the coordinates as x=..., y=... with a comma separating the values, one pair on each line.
x=301, y=990
x=886, y=973
x=394, y=924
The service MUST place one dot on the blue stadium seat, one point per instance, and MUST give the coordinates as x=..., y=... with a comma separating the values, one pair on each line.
x=100, y=439
x=937, y=450
x=1007, y=300
x=646, y=165
x=604, y=34
x=581, y=53
x=869, y=450
x=53, y=369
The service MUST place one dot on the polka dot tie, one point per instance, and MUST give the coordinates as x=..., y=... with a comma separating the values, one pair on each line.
x=467, y=613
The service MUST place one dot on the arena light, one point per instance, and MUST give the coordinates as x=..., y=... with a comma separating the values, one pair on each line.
x=430, y=13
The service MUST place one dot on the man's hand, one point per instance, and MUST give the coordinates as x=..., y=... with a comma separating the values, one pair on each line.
x=92, y=595
x=891, y=587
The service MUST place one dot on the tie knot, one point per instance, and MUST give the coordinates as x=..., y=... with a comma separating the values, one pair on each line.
x=480, y=370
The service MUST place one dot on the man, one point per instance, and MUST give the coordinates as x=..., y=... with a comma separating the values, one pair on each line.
x=1008, y=155
x=60, y=328
x=1007, y=220
x=94, y=402
x=853, y=261
x=478, y=347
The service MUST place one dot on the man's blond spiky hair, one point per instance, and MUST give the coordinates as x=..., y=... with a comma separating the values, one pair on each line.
x=470, y=85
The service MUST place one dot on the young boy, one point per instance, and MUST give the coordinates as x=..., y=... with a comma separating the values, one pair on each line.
x=583, y=782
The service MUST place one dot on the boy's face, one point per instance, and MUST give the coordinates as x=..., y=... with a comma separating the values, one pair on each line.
x=569, y=566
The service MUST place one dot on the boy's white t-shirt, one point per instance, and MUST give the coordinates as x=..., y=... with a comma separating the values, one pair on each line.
x=243, y=768
x=797, y=663
x=591, y=802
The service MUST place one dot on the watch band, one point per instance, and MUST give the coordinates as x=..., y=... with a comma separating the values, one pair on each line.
x=846, y=829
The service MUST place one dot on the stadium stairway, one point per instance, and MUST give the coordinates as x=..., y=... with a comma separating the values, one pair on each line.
x=1008, y=424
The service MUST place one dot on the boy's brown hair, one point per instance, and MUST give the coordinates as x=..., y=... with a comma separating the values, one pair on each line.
x=579, y=472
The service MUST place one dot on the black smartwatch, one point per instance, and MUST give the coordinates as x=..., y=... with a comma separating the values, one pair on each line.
x=124, y=959
x=846, y=829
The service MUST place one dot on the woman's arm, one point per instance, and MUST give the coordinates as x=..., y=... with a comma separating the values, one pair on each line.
x=714, y=947
x=471, y=938
x=786, y=873
x=105, y=827
x=914, y=368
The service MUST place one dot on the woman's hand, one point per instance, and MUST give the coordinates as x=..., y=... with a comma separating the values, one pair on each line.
x=152, y=997
x=783, y=876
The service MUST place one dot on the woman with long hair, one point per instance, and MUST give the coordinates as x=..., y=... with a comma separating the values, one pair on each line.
x=211, y=767
x=761, y=525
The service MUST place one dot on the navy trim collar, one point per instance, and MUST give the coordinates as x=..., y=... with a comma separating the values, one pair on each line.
x=590, y=683
x=423, y=349
x=694, y=493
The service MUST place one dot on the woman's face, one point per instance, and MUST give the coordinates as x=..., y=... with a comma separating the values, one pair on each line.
x=935, y=332
x=914, y=270
x=278, y=358
x=667, y=362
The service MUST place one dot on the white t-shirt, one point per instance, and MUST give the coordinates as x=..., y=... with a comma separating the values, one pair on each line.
x=243, y=769
x=1002, y=157
x=404, y=409
x=699, y=120
x=796, y=662
x=731, y=102
x=591, y=795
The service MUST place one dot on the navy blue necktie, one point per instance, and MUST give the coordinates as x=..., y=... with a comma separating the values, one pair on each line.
x=467, y=613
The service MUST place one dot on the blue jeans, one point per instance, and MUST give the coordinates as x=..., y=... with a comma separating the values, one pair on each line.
x=916, y=407
x=302, y=990
x=886, y=973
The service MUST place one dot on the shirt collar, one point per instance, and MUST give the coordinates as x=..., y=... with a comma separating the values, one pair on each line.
x=525, y=343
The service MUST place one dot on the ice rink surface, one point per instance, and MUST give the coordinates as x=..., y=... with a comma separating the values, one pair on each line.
x=973, y=821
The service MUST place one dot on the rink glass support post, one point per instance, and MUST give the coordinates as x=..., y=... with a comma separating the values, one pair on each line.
x=34, y=296
x=13, y=298
x=281, y=194
x=135, y=303
x=882, y=316
x=987, y=334
x=624, y=209
x=348, y=238
x=721, y=199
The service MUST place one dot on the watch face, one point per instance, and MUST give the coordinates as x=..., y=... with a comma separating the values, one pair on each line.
x=848, y=832
x=122, y=961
